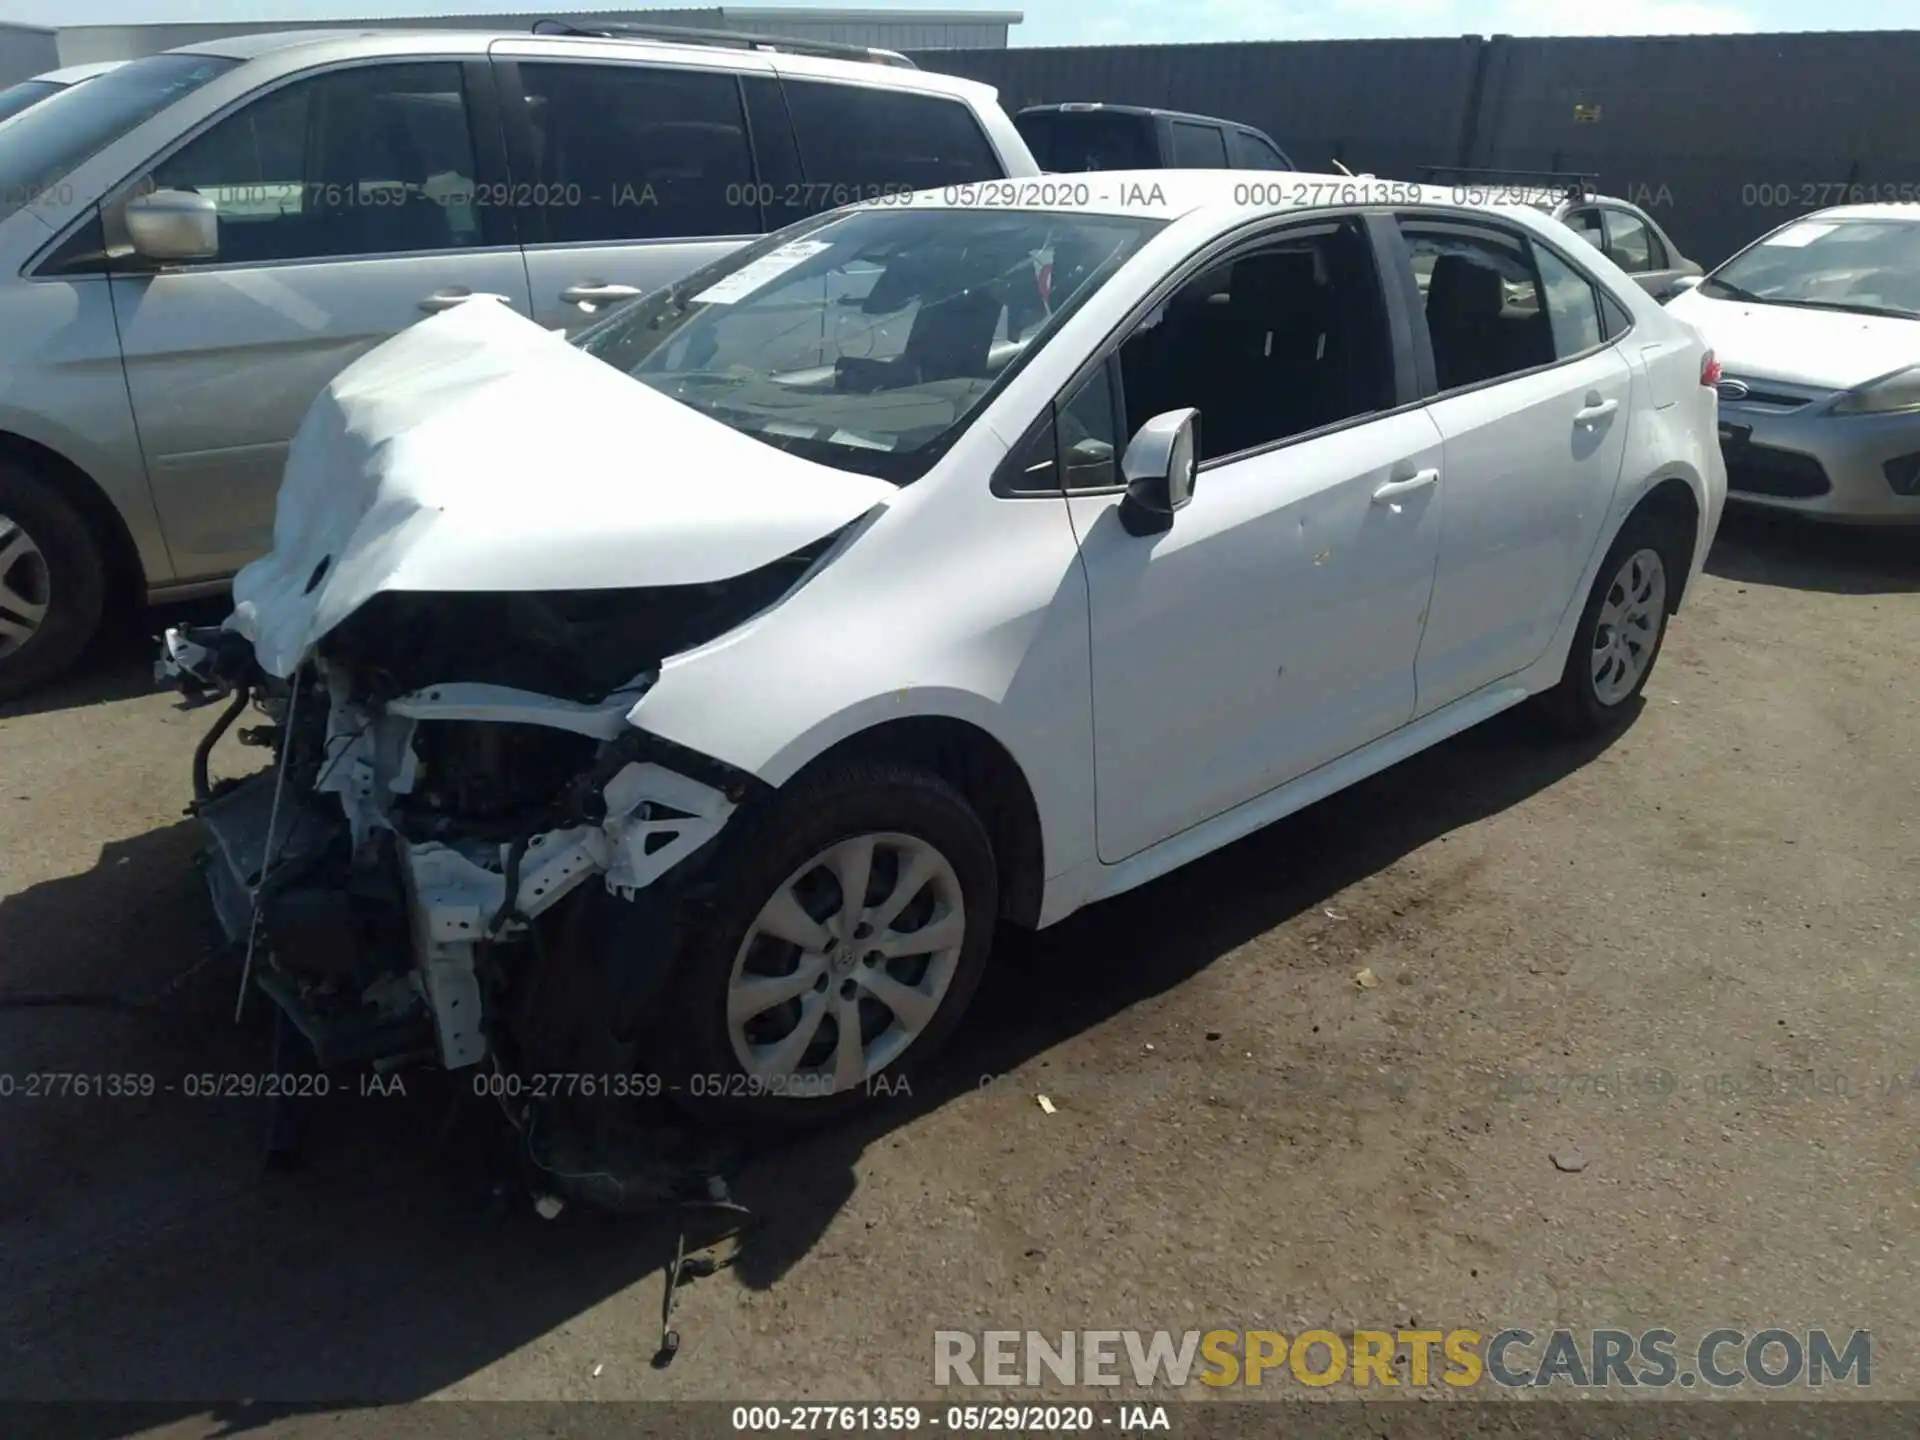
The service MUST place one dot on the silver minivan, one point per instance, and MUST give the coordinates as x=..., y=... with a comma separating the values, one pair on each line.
x=194, y=244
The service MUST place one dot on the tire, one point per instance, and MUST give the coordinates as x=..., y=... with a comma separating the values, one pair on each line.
x=775, y=851
x=52, y=582
x=1630, y=595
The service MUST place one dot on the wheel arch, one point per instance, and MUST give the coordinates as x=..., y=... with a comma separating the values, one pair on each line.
x=1672, y=504
x=985, y=772
x=126, y=576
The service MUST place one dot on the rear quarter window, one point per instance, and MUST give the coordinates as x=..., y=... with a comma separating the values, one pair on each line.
x=857, y=142
x=1073, y=141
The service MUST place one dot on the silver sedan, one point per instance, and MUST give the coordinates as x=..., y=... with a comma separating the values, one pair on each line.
x=1816, y=327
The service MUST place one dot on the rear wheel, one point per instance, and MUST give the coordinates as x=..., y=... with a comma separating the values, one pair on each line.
x=52, y=582
x=852, y=927
x=1621, y=629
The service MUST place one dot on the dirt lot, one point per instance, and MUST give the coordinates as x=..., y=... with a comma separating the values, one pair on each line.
x=1693, y=957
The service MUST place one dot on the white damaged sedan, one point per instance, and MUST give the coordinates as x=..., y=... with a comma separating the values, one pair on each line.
x=694, y=699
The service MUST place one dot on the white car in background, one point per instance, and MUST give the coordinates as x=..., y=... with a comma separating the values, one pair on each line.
x=28, y=93
x=712, y=684
x=1817, y=327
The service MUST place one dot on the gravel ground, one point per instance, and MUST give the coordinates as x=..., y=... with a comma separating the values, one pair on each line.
x=1684, y=963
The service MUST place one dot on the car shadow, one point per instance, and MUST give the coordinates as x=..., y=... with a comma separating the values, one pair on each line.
x=1759, y=547
x=144, y=1256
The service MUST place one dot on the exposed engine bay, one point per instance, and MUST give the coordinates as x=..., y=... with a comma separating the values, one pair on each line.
x=465, y=855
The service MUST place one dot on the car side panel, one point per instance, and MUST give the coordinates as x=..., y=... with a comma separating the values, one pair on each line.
x=1529, y=487
x=985, y=622
x=63, y=387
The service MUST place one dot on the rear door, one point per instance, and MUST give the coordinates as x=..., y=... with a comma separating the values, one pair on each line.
x=625, y=176
x=1533, y=402
x=350, y=206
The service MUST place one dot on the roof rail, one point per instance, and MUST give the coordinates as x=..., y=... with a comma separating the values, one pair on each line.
x=1575, y=184
x=727, y=39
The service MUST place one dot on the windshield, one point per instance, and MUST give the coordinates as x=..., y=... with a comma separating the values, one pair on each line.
x=16, y=98
x=1869, y=267
x=866, y=340
x=1071, y=141
x=40, y=146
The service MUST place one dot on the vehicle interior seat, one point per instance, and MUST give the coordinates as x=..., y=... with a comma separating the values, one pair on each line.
x=951, y=338
x=1464, y=304
x=1283, y=379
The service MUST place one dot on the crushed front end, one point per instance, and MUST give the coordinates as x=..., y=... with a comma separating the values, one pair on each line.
x=478, y=874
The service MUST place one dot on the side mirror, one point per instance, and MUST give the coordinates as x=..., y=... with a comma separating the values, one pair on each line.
x=1683, y=284
x=1158, y=470
x=173, y=225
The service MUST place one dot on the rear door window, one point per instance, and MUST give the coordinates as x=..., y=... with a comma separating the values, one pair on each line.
x=1252, y=152
x=858, y=142
x=635, y=152
x=1198, y=147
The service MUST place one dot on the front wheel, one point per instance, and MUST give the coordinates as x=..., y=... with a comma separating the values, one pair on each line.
x=52, y=582
x=1620, y=632
x=852, y=923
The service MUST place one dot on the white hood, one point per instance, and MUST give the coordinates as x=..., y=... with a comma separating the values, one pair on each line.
x=478, y=451
x=1827, y=348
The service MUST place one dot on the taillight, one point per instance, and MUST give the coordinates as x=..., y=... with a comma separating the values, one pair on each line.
x=1709, y=370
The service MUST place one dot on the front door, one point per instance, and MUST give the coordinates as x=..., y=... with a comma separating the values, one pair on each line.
x=348, y=211
x=1274, y=627
x=1533, y=405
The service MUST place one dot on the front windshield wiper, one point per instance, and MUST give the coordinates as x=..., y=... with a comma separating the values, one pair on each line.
x=1733, y=292
x=1851, y=307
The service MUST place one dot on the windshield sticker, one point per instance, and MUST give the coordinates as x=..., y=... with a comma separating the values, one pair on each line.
x=768, y=268
x=858, y=442
x=1798, y=235
x=790, y=430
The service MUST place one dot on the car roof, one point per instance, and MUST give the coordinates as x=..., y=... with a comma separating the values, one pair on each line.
x=74, y=74
x=320, y=46
x=1088, y=107
x=1172, y=194
x=1893, y=211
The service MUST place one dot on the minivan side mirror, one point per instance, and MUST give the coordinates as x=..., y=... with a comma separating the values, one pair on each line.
x=173, y=225
x=1158, y=470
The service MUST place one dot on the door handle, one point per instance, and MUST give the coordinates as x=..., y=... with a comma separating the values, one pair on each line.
x=457, y=295
x=1595, y=410
x=590, y=293
x=1391, y=493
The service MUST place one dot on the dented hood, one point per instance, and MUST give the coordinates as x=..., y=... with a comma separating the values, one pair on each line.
x=477, y=451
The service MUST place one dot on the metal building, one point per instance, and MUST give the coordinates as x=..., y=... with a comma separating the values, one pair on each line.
x=27, y=50
x=1721, y=137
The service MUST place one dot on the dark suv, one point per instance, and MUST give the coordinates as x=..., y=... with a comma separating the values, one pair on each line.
x=1085, y=136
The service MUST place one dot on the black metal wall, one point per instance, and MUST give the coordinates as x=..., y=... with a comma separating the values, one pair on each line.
x=1720, y=137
